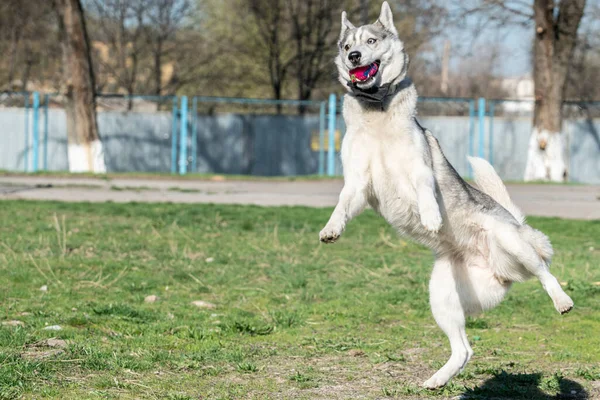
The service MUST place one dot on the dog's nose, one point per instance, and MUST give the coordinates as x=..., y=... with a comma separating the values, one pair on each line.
x=354, y=57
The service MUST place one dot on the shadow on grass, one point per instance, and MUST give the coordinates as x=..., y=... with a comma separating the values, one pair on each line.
x=527, y=386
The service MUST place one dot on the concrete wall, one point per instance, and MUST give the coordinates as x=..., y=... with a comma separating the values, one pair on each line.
x=277, y=145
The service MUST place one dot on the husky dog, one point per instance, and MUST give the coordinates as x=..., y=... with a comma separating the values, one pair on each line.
x=479, y=237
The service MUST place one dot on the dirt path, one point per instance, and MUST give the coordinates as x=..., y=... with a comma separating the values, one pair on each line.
x=566, y=201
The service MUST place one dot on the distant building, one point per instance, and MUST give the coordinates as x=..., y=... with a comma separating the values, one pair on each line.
x=107, y=67
x=521, y=89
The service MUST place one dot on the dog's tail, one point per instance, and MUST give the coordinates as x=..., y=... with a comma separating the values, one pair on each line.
x=490, y=183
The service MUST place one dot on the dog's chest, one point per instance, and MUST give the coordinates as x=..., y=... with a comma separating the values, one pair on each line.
x=384, y=151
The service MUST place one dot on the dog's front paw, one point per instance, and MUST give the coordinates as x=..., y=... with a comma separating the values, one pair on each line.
x=330, y=234
x=431, y=219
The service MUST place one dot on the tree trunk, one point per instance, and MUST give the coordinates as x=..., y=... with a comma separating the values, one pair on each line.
x=555, y=36
x=364, y=12
x=158, y=68
x=27, y=69
x=12, y=56
x=277, y=94
x=131, y=83
x=85, y=148
x=304, y=93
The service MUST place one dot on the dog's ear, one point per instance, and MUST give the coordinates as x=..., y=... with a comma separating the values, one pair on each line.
x=386, y=20
x=346, y=25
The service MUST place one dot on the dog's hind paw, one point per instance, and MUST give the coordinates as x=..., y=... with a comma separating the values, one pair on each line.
x=431, y=220
x=435, y=382
x=563, y=303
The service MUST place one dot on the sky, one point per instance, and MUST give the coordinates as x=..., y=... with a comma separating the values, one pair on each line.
x=517, y=61
x=515, y=40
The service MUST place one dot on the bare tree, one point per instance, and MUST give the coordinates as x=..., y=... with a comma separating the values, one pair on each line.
x=313, y=39
x=282, y=48
x=269, y=18
x=166, y=18
x=19, y=16
x=120, y=25
x=585, y=67
x=26, y=41
x=555, y=25
x=556, y=35
x=85, y=147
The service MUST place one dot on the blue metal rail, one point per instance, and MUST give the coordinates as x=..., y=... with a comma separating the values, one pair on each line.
x=46, y=104
x=183, y=137
x=174, y=114
x=322, y=139
x=36, y=130
x=331, y=128
x=26, y=152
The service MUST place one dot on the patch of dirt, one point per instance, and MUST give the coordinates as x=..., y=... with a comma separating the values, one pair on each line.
x=203, y=304
x=348, y=376
x=44, y=349
x=37, y=354
x=151, y=298
x=13, y=322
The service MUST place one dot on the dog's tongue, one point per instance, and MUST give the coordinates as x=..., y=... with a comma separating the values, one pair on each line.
x=363, y=73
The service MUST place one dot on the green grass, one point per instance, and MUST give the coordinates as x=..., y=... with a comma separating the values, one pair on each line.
x=292, y=318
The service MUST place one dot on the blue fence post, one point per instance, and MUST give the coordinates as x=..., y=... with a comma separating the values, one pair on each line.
x=331, y=128
x=491, y=135
x=471, y=133
x=36, y=130
x=322, y=139
x=26, y=152
x=46, y=103
x=183, y=136
x=174, y=138
x=194, y=133
x=481, y=127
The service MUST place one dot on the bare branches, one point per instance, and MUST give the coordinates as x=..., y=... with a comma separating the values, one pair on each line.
x=22, y=24
x=166, y=18
x=493, y=13
x=120, y=25
x=134, y=39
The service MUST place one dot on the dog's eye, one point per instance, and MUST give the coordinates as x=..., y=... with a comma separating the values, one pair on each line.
x=371, y=41
x=347, y=47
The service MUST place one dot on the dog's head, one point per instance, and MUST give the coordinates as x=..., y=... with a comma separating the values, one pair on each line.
x=371, y=55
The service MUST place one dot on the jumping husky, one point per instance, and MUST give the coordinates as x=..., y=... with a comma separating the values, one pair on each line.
x=480, y=239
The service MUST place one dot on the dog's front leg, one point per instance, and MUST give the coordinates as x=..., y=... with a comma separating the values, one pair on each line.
x=351, y=203
x=429, y=209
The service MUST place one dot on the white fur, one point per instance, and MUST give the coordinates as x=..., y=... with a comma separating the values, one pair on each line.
x=390, y=164
x=489, y=182
x=386, y=19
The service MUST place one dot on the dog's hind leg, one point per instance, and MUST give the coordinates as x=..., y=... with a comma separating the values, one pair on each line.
x=449, y=314
x=520, y=244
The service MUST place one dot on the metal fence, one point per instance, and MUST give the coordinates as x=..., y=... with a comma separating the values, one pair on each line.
x=199, y=134
x=261, y=136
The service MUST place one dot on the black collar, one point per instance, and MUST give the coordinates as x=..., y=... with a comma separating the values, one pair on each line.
x=377, y=95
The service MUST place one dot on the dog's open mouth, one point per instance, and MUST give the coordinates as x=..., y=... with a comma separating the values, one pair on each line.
x=364, y=73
